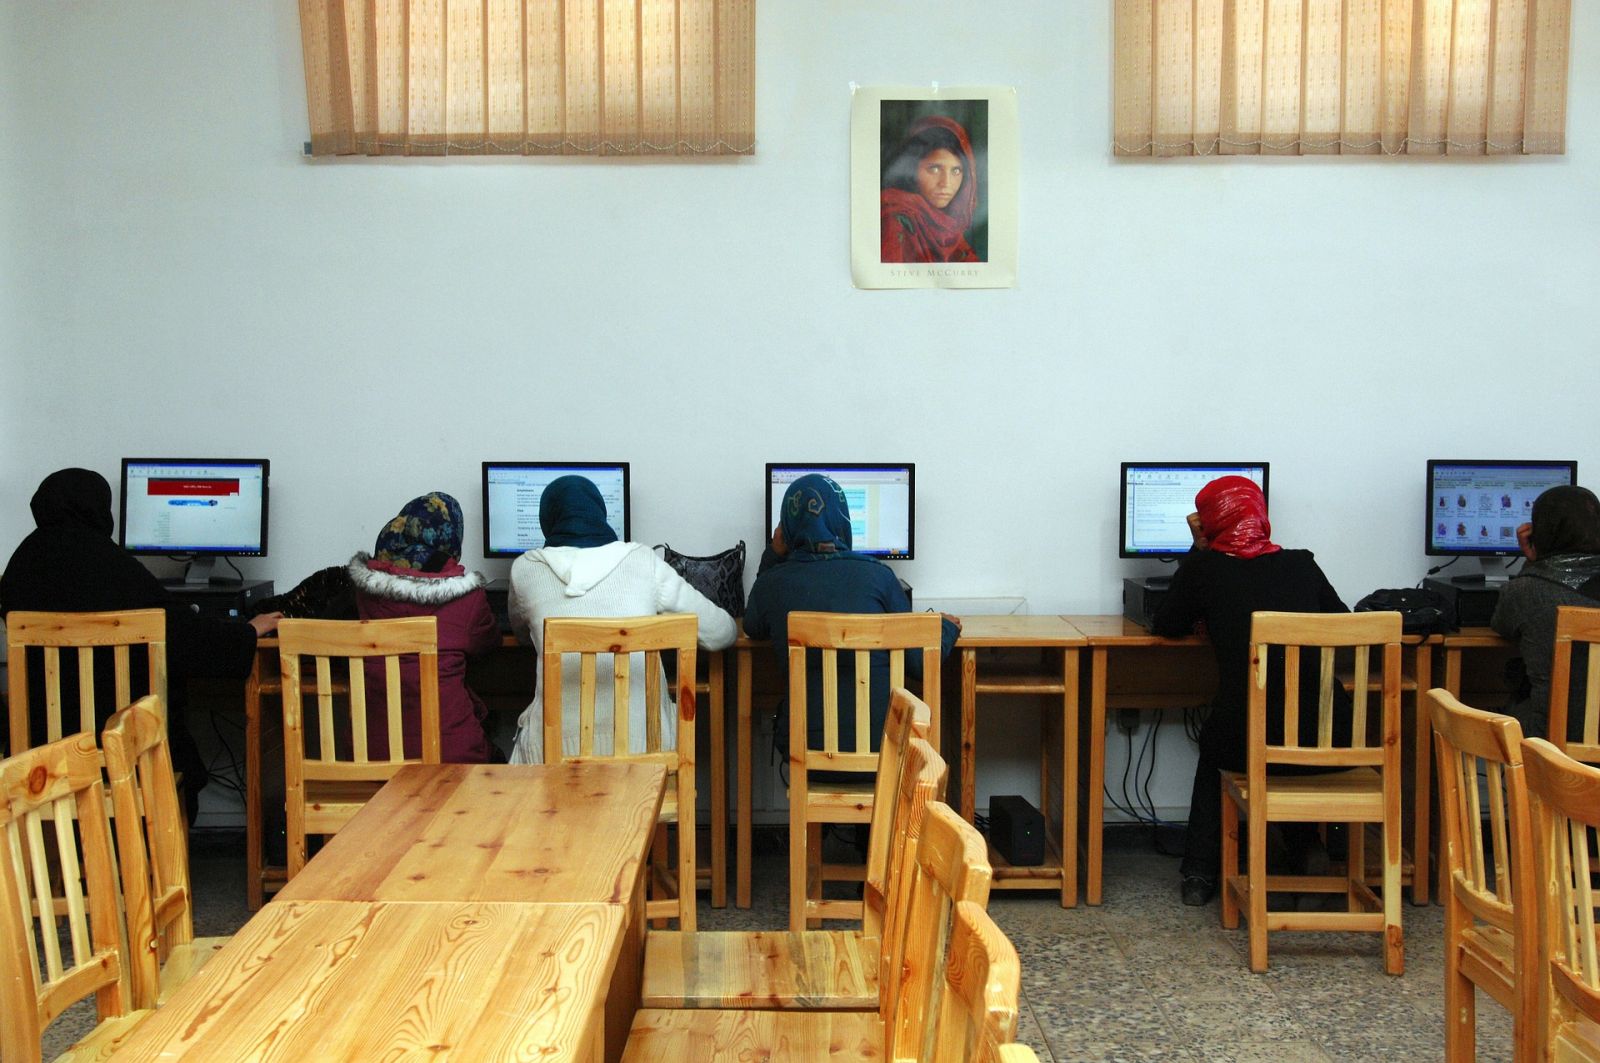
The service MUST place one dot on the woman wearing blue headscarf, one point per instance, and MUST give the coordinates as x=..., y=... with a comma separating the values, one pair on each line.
x=810, y=567
x=583, y=570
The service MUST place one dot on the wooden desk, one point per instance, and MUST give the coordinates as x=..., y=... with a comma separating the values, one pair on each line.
x=264, y=680
x=377, y=980
x=1052, y=635
x=460, y=832
x=1182, y=672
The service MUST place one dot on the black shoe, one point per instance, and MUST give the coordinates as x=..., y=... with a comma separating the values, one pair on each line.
x=1197, y=890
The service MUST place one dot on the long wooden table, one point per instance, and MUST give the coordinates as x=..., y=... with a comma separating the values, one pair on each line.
x=468, y=911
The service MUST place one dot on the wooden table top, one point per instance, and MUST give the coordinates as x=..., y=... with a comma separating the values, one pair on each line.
x=1473, y=637
x=1113, y=629
x=480, y=832
x=1017, y=630
x=337, y=980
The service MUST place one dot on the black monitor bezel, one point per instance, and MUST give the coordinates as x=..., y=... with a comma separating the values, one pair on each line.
x=122, y=508
x=1122, y=498
x=1428, y=548
x=568, y=466
x=855, y=466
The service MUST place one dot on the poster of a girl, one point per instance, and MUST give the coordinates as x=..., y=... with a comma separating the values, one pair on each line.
x=929, y=194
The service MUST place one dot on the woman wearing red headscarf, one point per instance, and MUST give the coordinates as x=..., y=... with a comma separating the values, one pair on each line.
x=930, y=193
x=1234, y=570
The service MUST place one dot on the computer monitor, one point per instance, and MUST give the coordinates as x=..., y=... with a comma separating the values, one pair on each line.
x=1158, y=496
x=207, y=507
x=511, y=492
x=1475, y=507
x=882, y=499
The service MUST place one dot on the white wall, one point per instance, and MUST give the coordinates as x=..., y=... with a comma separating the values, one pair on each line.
x=176, y=279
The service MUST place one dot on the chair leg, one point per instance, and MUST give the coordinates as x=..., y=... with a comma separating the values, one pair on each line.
x=1356, y=864
x=1460, y=1005
x=1230, y=861
x=1394, y=942
x=658, y=866
x=813, y=871
x=1258, y=889
x=797, y=867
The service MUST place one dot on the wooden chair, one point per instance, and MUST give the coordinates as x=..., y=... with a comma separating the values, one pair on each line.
x=813, y=804
x=833, y=970
x=1489, y=934
x=153, y=852
x=47, y=634
x=1565, y=797
x=1016, y=1053
x=65, y=778
x=982, y=984
x=620, y=639
x=323, y=791
x=1581, y=626
x=951, y=865
x=1362, y=786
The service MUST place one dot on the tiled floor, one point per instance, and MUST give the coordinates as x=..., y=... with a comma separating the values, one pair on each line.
x=1139, y=978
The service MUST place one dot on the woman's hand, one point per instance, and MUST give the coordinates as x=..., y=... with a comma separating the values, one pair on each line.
x=1198, y=531
x=956, y=620
x=779, y=547
x=265, y=624
x=1525, y=541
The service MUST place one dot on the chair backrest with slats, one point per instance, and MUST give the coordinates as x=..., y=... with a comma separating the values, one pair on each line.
x=1577, y=634
x=96, y=644
x=151, y=845
x=1495, y=885
x=61, y=779
x=849, y=747
x=978, y=997
x=1565, y=796
x=1330, y=746
x=922, y=782
x=908, y=716
x=951, y=865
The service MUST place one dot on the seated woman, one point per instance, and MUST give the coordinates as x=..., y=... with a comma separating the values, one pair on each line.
x=583, y=570
x=415, y=570
x=809, y=566
x=70, y=563
x=1233, y=571
x=1562, y=545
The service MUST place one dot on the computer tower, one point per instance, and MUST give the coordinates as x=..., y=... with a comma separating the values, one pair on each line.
x=222, y=601
x=1016, y=830
x=1142, y=597
x=1471, y=603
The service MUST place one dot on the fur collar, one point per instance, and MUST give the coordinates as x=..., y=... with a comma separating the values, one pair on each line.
x=417, y=590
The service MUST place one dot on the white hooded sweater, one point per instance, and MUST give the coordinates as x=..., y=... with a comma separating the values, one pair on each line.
x=618, y=579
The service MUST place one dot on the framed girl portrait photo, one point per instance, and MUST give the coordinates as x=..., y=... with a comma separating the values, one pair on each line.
x=933, y=187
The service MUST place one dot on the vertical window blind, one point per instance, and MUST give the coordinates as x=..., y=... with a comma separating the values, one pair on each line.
x=530, y=77
x=1303, y=77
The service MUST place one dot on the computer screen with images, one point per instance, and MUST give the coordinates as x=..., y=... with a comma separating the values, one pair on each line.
x=882, y=500
x=194, y=506
x=1158, y=496
x=1475, y=507
x=511, y=492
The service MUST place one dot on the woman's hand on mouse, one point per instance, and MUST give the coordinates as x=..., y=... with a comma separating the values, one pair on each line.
x=1197, y=531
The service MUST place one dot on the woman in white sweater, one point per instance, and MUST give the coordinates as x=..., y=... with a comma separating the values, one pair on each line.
x=583, y=570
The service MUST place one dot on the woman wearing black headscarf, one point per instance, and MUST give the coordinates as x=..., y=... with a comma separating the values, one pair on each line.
x=69, y=563
x=1562, y=545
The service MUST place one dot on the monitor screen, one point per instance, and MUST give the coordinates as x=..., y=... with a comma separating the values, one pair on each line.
x=882, y=501
x=1474, y=507
x=194, y=506
x=511, y=491
x=1158, y=496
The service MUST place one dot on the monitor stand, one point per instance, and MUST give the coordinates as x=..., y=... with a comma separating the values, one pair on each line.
x=202, y=571
x=1493, y=574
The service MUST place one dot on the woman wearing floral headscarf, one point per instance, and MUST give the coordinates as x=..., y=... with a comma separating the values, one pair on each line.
x=1234, y=570
x=415, y=570
x=809, y=566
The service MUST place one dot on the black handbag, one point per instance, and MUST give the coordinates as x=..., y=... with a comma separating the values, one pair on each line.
x=1422, y=612
x=719, y=577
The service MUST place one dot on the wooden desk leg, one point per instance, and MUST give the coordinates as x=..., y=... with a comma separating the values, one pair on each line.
x=1069, y=779
x=1452, y=671
x=967, y=765
x=1095, y=804
x=1422, y=779
x=253, y=856
x=745, y=812
x=717, y=674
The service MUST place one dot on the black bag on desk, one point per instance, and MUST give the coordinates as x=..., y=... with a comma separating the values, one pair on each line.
x=1422, y=612
x=719, y=577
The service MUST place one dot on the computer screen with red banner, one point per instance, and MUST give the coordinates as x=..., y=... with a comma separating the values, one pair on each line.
x=194, y=506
